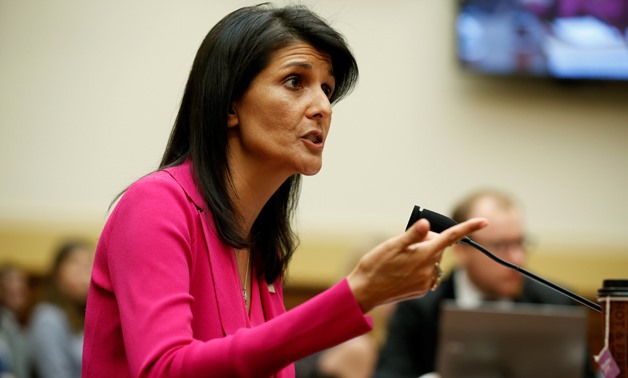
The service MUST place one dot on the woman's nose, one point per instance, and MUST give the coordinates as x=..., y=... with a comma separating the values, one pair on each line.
x=320, y=106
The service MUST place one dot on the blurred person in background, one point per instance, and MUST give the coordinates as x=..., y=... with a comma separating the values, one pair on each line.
x=58, y=321
x=411, y=346
x=15, y=306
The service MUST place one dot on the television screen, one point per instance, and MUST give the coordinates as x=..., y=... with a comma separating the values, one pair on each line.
x=568, y=39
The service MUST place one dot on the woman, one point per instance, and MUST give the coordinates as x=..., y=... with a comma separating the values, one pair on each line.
x=187, y=276
x=15, y=306
x=57, y=323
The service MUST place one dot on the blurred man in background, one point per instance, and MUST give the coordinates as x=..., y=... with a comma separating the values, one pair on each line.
x=412, y=342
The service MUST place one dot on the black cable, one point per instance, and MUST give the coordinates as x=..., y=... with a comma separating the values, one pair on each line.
x=592, y=305
x=439, y=223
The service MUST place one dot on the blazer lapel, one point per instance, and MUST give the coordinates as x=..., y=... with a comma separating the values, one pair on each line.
x=222, y=264
x=227, y=287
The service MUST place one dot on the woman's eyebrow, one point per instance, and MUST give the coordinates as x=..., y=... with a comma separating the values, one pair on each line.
x=298, y=64
x=305, y=65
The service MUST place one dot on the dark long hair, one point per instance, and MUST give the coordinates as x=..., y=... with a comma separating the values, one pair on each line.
x=229, y=58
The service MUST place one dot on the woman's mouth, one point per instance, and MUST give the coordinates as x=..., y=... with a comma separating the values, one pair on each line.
x=314, y=137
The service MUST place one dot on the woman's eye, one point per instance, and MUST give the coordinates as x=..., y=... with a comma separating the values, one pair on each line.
x=293, y=82
x=328, y=90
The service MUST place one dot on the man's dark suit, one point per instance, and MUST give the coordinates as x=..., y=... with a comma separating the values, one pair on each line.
x=412, y=341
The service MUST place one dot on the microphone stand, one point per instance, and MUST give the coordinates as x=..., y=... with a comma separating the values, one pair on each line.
x=592, y=305
x=441, y=222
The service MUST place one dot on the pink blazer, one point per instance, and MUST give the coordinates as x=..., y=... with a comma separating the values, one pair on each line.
x=165, y=297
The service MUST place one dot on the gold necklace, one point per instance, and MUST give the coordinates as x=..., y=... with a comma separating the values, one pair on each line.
x=246, y=276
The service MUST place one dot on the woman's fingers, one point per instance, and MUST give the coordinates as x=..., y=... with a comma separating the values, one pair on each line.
x=405, y=266
x=416, y=233
x=456, y=233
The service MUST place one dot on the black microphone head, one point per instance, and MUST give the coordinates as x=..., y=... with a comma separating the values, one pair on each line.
x=438, y=222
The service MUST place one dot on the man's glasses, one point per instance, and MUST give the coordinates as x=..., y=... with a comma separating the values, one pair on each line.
x=502, y=247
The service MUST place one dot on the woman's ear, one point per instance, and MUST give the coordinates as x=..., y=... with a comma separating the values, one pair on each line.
x=232, y=117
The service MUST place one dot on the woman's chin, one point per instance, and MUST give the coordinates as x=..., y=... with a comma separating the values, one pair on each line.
x=311, y=169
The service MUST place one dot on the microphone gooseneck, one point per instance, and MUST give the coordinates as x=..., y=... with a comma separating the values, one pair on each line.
x=439, y=223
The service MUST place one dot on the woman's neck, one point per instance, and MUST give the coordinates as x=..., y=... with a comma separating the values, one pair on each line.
x=252, y=188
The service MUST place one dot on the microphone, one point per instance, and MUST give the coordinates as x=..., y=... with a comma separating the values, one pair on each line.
x=439, y=223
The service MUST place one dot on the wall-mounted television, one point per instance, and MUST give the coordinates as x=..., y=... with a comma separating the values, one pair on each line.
x=565, y=39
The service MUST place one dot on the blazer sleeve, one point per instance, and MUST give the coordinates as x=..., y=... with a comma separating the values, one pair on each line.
x=150, y=247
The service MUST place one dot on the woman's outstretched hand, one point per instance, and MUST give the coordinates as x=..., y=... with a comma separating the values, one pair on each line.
x=404, y=266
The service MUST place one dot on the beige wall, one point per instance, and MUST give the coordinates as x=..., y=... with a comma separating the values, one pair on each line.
x=89, y=91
